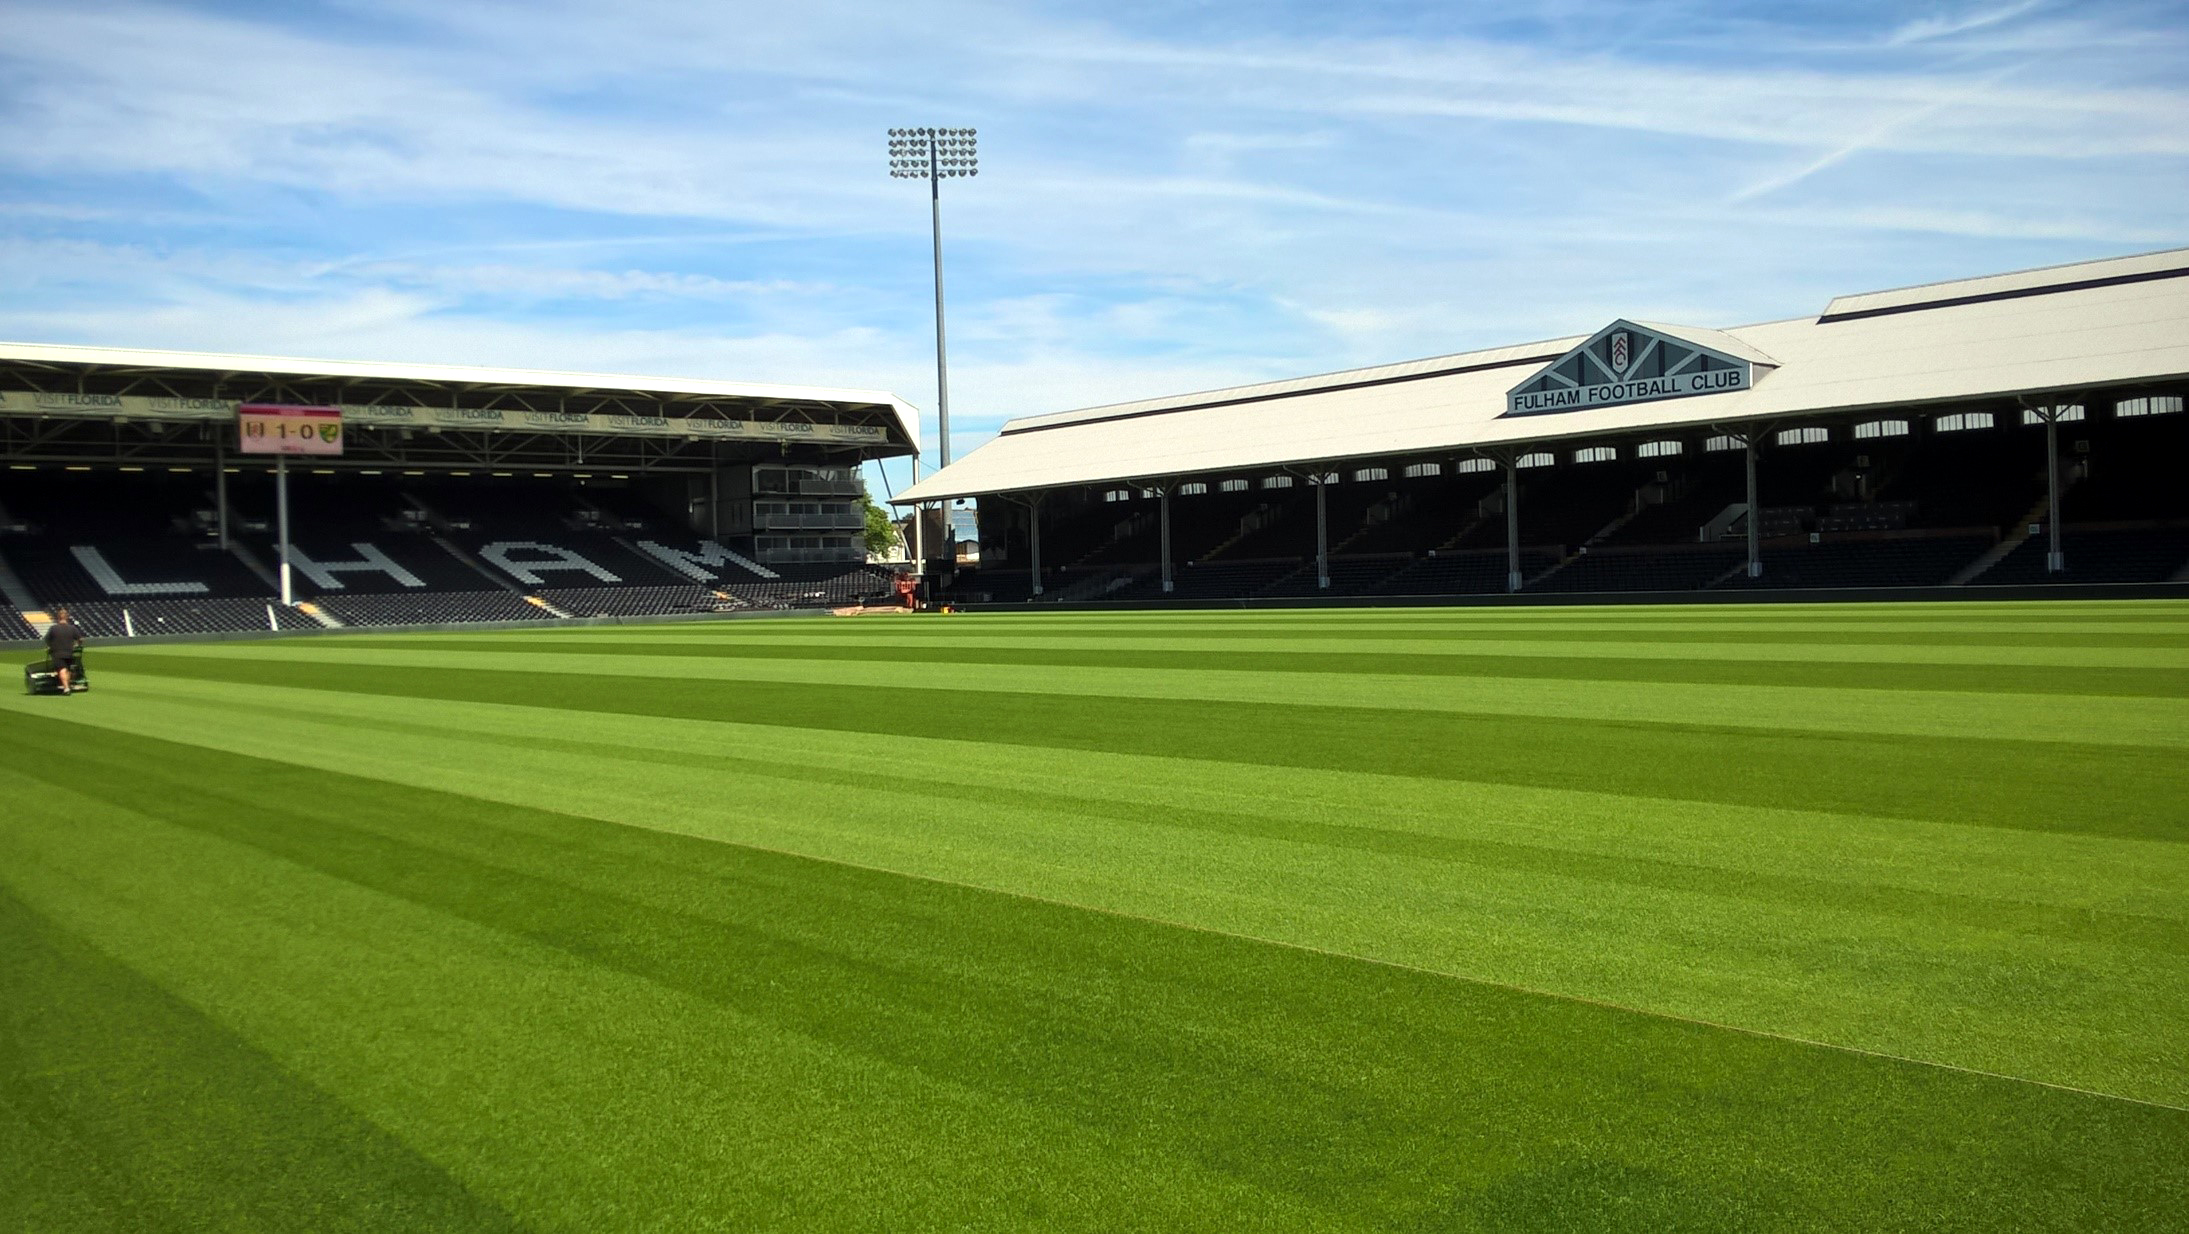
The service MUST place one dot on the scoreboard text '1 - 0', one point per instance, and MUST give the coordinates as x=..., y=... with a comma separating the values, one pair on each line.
x=278, y=428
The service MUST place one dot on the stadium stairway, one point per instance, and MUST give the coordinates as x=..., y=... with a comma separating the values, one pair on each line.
x=13, y=591
x=1349, y=576
x=14, y=626
x=2133, y=553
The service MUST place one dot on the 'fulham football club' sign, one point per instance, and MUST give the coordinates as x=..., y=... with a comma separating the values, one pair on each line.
x=1628, y=363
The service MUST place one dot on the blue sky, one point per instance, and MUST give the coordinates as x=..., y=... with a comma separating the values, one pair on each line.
x=1172, y=195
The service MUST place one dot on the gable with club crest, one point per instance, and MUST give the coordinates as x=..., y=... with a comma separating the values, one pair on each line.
x=1629, y=363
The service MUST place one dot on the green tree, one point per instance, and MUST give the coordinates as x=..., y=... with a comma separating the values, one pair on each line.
x=881, y=533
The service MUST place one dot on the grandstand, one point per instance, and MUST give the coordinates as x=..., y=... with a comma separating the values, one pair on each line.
x=461, y=495
x=2020, y=430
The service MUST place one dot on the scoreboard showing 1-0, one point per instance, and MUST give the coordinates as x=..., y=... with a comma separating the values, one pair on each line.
x=279, y=428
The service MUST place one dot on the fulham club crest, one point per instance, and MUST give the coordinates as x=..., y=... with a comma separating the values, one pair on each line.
x=1622, y=351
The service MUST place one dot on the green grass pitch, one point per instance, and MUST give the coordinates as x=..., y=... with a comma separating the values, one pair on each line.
x=1865, y=917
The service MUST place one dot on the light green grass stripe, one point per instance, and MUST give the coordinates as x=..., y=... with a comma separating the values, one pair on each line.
x=2160, y=722
x=1719, y=942
x=443, y=1031
x=2018, y=614
x=1744, y=625
x=2064, y=656
x=2136, y=875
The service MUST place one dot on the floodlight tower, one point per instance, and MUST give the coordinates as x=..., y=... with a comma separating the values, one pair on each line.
x=936, y=155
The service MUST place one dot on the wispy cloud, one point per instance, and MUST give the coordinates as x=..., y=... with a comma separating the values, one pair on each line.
x=1926, y=29
x=1875, y=137
x=1170, y=198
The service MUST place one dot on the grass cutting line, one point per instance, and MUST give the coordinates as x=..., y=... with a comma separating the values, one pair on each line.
x=1402, y=966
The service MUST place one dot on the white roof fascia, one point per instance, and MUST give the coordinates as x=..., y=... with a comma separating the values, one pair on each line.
x=197, y=361
x=1900, y=299
x=1517, y=354
x=2118, y=332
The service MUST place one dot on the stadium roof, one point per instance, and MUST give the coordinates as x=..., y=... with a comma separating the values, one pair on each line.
x=2116, y=322
x=240, y=370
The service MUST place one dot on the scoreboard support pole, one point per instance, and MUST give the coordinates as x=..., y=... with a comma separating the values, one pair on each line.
x=281, y=518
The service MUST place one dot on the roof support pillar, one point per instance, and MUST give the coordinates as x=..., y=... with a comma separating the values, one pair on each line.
x=1164, y=497
x=1033, y=539
x=919, y=527
x=1512, y=523
x=220, y=488
x=1322, y=531
x=2055, y=557
x=1755, y=514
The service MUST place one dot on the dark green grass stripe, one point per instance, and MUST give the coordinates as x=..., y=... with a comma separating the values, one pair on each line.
x=2048, y=786
x=1398, y=1097
x=1986, y=678
x=122, y=1108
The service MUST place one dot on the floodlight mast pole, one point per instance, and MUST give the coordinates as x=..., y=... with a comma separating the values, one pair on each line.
x=936, y=155
x=942, y=350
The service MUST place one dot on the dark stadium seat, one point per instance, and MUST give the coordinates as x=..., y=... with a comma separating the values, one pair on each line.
x=12, y=625
x=432, y=608
x=2096, y=555
x=1461, y=572
x=145, y=618
x=1349, y=576
x=1211, y=580
x=1643, y=568
x=640, y=601
x=72, y=568
x=1877, y=561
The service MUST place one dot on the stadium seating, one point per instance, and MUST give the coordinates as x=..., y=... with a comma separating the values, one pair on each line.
x=2147, y=554
x=639, y=601
x=1643, y=568
x=432, y=608
x=1461, y=572
x=143, y=618
x=1914, y=503
x=12, y=625
x=74, y=568
x=1349, y=576
x=1883, y=560
x=816, y=586
x=132, y=553
x=1211, y=580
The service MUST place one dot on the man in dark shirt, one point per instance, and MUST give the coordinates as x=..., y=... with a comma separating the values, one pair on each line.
x=63, y=643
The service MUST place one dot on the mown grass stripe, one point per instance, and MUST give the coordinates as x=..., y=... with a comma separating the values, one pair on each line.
x=1369, y=832
x=580, y=1096
x=1391, y=1096
x=2122, y=791
x=2079, y=719
x=2002, y=678
x=1971, y=987
x=128, y=1109
x=1915, y=652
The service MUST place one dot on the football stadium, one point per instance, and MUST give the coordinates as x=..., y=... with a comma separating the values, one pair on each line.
x=1667, y=778
x=2016, y=430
